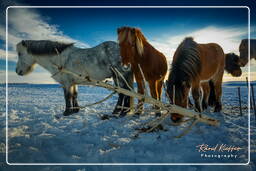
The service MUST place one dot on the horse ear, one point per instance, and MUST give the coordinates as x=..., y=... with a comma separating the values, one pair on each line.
x=23, y=43
x=118, y=30
x=133, y=30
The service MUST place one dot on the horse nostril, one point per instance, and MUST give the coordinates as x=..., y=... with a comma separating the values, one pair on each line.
x=20, y=73
x=176, y=118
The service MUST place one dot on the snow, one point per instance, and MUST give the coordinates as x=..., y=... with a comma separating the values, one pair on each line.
x=35, y=135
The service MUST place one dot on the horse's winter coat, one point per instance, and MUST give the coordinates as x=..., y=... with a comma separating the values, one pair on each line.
x=95, y=63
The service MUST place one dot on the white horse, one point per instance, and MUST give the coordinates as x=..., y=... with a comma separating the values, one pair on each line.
x=96, y=63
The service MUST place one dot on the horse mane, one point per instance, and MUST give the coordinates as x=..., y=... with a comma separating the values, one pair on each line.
x=140, y=39
x=45, y=47
x=187, y=65
x=126, y=32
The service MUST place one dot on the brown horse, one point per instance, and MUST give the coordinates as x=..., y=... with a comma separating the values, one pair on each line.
x=194, y=64
x=232, y=64
x=141, y=55
x=243, y=49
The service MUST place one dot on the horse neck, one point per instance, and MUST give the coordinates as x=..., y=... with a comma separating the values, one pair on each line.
x=51, y=62
x=140, y=59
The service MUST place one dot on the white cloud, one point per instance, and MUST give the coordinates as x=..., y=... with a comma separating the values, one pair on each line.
x=28, y=24
x=34, y=77
x=11, y=54
x=228, y=38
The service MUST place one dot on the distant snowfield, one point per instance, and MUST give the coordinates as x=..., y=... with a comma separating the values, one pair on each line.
x=36, y=136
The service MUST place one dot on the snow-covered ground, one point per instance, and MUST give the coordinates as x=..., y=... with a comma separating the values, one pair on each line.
x=36, y=136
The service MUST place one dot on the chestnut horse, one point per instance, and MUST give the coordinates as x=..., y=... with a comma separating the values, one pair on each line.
x=194, y=64
x=143, y=57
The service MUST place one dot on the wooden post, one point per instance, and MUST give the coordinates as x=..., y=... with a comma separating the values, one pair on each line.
x=253, y=99
x=247, y=84
x=239, y=97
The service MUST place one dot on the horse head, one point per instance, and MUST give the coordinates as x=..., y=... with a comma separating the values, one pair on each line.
x=26, y=62
x=232, y=64
x=178, y=91
x=131, y=44
x=243, y=49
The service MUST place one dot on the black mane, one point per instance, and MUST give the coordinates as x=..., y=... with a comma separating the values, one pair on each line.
x=185, y=68
x=45, y=47
x=187, y=65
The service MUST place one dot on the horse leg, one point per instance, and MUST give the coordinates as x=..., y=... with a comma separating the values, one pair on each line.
x=206, y=93
x=218, y=93
x=74, y=99
x=141, y=87
x=127, y=100
x=159, y=85
x=153, y=89
x=159, y=89
x=196, y=97
x=190, y=104
x=119, y=103
x=68, y=100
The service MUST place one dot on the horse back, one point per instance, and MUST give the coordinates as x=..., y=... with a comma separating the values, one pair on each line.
x=212, y=59
x=154, y=62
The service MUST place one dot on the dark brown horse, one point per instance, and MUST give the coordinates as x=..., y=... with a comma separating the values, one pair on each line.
x=141, y=55
x=243, y=49
x=192, y=65
x=232, y=64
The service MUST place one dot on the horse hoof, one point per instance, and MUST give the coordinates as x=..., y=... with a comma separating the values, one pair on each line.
x=158, y=114
x=116, y=112
x=138, y=113
x=217, y=109
x=204, y=106
x=198, y=110
x=75, y=110
x=68, y=112
x=122, y=114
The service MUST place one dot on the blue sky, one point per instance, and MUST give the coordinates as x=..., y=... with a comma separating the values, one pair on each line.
x=94, y=25
x=164, y=28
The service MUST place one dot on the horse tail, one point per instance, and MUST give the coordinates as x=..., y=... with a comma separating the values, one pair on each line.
x=212, y=96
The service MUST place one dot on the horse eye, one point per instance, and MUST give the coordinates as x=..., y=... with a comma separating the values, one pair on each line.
x=19, y=54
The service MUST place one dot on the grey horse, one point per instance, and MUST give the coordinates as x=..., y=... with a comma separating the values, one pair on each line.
x=99, y=63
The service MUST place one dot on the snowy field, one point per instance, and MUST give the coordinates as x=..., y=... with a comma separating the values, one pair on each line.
x=36, y=136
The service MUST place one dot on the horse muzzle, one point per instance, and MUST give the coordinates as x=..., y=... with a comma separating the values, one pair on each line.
x=19, y=72
x=237, y=73
x=126, y=66
x=175, y=117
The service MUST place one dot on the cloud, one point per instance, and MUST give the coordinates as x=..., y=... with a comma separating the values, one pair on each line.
x=228, y=38
x=26, y=23
x=34, y=77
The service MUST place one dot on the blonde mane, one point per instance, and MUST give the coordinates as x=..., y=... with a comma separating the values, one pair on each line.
x=139, y=41
x=126, y=33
